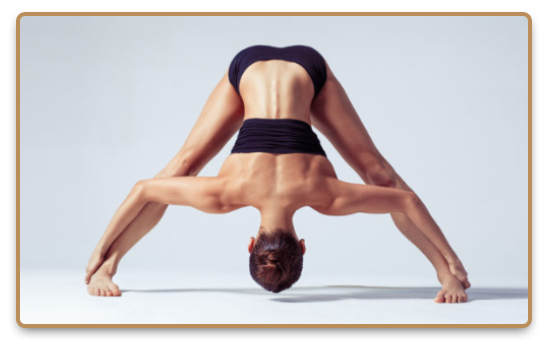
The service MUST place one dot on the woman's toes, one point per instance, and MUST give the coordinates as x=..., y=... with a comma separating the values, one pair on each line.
x=460, y=298
x=115, y=290
x=109, y=293
x=440, y=297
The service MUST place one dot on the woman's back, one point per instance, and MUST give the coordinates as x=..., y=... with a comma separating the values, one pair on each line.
x=262, y=179
x=276, y=89
x=278, y=82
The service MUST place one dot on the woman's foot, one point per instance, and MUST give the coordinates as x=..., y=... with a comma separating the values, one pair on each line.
x=97, y=258
x=101, y=283
x=452, y=290
x=457, y=269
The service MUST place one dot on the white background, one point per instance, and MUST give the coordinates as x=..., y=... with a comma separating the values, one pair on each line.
x=9, y=128
x=106, y=101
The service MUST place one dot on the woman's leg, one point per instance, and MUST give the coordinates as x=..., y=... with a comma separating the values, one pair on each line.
x=389, y=178
x=334, y=116
x=219, y=120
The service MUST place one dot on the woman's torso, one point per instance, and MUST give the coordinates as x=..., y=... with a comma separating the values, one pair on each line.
x=277, y=89
x=293, y=180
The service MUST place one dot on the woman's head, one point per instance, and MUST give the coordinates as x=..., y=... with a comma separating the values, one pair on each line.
x=276, y=259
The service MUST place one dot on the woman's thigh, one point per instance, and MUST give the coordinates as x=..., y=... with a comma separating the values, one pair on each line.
x=221, y=117
x=335, y=117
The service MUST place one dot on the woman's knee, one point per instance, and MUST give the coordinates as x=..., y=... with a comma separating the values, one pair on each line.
x=183, y=164
x=382, y=178
x=139, y=189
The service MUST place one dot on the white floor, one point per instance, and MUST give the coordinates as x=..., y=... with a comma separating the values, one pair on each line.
x=161, y=297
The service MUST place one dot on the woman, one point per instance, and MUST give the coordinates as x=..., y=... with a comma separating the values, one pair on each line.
x=277, y=166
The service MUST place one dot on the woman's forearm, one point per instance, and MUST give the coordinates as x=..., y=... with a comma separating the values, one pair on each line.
x=125, y=214
x=417, y=212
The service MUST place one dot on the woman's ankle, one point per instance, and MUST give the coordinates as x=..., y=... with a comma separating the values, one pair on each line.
x=443, y=276
x=109, y=267
x=101, y=249
x=452, y=259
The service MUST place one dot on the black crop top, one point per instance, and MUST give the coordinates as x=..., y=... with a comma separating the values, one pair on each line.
x=307, y=57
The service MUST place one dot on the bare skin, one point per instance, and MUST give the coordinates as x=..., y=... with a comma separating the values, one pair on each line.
x=334, y=116
x=276, y=185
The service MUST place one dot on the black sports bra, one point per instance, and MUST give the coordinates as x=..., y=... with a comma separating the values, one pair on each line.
x=307, y=57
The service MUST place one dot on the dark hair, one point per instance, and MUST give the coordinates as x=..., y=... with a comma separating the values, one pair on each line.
x=276, y=260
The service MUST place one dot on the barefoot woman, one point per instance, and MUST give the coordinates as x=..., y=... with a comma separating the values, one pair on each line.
x=272, y=95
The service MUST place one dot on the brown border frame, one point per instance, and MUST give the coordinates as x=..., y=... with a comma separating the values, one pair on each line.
x=529, y=146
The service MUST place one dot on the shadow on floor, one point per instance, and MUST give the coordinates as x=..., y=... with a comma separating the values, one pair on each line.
x=340, y=292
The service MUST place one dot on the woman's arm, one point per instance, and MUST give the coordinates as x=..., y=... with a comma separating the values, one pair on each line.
x=207, y=194
x=348, y=198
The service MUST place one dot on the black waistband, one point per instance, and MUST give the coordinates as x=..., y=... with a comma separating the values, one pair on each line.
x=277, y=136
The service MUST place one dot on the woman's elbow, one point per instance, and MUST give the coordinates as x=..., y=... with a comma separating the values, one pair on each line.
x=411, y=202
x=140, y=190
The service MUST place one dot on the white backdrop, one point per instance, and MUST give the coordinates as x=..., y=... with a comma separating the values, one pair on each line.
x=106, y=101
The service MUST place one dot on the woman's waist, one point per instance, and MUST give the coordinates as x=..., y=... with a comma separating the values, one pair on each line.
x=278, y=106
x=290, y=116
x=277, y=135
